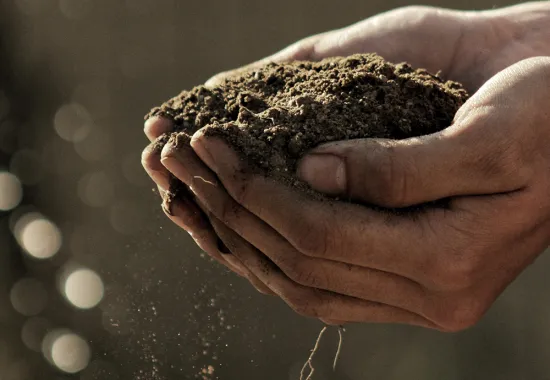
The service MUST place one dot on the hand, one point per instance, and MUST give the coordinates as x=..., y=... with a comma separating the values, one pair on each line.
x=375, y=305
x=186, y=212
x=468, y=47
x=439, y=268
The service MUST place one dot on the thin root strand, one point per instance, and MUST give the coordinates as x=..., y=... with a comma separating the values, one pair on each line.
x=205, y=180
x=340, y=342
x=309, y=363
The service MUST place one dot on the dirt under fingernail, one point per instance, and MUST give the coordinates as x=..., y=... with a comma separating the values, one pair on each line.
x=274, y=115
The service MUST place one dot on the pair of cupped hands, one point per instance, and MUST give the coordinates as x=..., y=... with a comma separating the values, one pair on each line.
x=342, y=262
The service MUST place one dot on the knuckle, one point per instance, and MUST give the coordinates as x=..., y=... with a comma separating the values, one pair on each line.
x=502, y=158
x=231, y=207
x=505, y=161
x=304, y=305
x=311, y=240
x=461, y=314
x=392, y=177
x=457, y=266
x=304, y=273
x=239, y=186
x=457, y=273
x=418, y=15
x=229, y=213
x=216, y=79
x=415, y=9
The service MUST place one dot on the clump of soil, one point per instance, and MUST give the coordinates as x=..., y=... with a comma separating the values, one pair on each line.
x=274, y=115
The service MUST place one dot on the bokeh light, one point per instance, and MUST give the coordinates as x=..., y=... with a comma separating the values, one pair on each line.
x=28, y=296
x=66, y=350
x=11, y=191
x=83, y=288
x=72, y=122
x=38, y=236
x=96, y=189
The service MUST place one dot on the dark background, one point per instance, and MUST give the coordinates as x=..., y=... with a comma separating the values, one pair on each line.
x=76, y=78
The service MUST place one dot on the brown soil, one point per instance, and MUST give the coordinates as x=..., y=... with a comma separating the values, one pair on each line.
x=274, y=115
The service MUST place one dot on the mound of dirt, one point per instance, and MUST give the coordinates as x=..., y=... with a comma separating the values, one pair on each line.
x=274, y=115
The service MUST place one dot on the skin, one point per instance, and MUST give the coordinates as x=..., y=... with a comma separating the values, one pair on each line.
x=344, y=262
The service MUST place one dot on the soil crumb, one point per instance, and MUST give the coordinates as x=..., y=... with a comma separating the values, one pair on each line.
x=274, y=115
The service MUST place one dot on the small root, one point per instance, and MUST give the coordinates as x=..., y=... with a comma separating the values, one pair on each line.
x=309, y=363
x=340, y=342
x=206, y=181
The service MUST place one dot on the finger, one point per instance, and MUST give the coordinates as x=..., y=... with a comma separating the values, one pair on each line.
x=189, y=217
x=187, y=214
x=313, y=302
x=404, y=34
x=388, y=34
x=403, y=173
x=226, y=235
x=303, y=50
x=254, y=281
x=157, y=126
x=489, y=149
x=336, y=231
x=150, y=160
x=356, y=281
x=165, y=181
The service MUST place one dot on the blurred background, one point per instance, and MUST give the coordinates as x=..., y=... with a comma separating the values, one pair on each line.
x=95, y=283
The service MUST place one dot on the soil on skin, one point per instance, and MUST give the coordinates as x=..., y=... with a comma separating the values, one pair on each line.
x=274, y=115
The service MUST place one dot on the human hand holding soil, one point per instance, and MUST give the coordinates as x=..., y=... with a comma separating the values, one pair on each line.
x=344, y=262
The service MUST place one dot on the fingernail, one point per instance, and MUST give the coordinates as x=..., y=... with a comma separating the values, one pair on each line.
x=201, y=147
x=175, y=165
x=223, y=248
x=324, y=172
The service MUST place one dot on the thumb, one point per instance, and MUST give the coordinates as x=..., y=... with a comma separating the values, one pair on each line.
x=496, y=137
x=401, y=173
